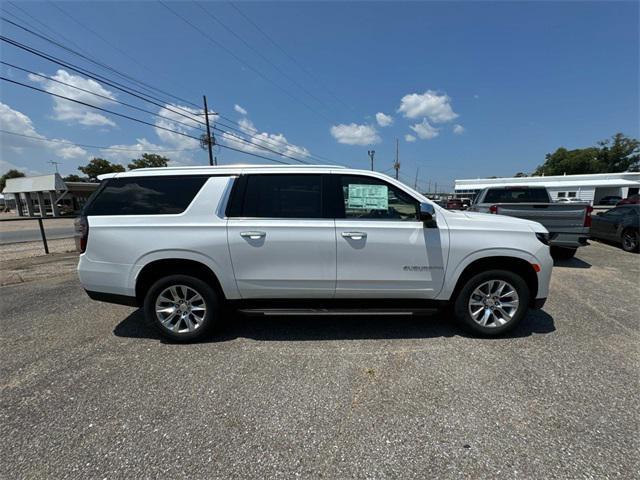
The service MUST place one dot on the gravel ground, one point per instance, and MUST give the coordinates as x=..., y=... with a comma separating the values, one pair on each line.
x=16, y=251
x=89, y=391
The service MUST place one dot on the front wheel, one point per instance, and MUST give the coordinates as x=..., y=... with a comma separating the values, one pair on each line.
x=182, y=307
x=492, y=302
x=630, y=241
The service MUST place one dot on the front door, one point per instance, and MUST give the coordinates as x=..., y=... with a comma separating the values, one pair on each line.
x=281, y=242
x=383, y=250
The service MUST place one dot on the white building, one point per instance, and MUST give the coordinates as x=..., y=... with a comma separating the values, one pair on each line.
x=590, y=188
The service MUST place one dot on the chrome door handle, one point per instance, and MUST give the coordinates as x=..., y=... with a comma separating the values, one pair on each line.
x=253, y=235
x=354, y=235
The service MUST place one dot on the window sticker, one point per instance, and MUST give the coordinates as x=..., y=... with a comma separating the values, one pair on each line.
x=368, y=197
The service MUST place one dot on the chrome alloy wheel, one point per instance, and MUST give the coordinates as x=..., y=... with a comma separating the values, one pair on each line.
x=180, y=309
x=629, y=241
x=493, y=304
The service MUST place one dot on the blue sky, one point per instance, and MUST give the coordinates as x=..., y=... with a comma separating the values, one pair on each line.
x=481, y=88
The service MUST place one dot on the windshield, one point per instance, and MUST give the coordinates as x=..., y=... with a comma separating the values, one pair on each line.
x=516, y=195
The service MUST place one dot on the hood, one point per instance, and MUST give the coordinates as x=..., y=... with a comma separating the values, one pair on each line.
x=505, y=222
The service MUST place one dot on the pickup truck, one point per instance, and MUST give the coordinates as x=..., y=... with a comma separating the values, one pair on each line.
x=568, y=223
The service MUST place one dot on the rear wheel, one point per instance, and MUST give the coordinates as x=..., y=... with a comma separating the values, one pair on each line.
x=563, y=253
x=630, y=240
x=492, y=303
x=183, y=308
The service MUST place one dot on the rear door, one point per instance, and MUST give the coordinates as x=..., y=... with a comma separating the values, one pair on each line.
x=281, y=238
x=383, y=250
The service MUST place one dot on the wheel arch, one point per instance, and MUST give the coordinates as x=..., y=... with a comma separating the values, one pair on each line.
x=517, y=265
x=156, y=269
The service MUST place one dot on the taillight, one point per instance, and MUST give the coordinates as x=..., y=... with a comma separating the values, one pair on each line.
x=587, y=217
x=81, y=225
x=493, y=209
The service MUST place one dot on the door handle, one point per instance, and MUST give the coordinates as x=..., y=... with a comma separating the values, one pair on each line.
x=354, y=235
x=253, y=235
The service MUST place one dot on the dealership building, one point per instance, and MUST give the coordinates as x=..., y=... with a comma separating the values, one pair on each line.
x=46, y=195
x=589, y=188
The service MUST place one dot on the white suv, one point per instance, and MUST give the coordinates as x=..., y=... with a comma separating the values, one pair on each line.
x=182, y=242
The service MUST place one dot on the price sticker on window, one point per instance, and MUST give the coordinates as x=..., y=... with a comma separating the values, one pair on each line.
x=368, y=197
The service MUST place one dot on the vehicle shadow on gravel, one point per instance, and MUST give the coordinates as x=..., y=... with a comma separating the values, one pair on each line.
x=310, y=328
x=571, y=263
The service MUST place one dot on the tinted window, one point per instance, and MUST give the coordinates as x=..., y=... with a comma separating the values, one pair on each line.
x=516, y=195
x=283, y=196
x=373, y=199
x=145, y=196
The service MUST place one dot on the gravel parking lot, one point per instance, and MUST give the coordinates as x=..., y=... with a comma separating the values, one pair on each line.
x=89, y=391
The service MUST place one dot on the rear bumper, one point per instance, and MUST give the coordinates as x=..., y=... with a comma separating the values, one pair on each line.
x=113, y=298
x=569, y=240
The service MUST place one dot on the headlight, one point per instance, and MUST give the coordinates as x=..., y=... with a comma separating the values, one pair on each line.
x=543, y=237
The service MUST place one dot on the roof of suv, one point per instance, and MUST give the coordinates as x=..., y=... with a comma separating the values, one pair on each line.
x=222, y=170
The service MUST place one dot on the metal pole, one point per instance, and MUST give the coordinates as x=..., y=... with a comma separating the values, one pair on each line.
x=209, y=142
x=44, y=237
x=371, y=153
x=397, y=164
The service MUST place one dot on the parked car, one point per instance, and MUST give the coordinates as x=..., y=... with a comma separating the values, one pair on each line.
x=620, y=225
x=568, y=223
x=610, y=200
x=570, y=200
x=182, y=242
x=630, y=200
x=466, y=203
x=454, y=204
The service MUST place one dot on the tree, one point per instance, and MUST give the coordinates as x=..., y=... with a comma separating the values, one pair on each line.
x=13, y=173
x=521, y=174
x=74, y=178
x=149, y=160
x=99, y=166
x=619, y=154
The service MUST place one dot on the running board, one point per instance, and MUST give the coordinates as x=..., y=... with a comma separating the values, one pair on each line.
x=334, y=312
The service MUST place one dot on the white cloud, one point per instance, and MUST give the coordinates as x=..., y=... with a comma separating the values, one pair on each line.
x=424, y=130
x=432, y=105
x=409, y=138
x=354, y=134
x=273, y=141
x=71, y=112
x=189, y=123
x=384, y=120
x=239, y=109
x=458, y=129
x=21, y=124
x=71, y=151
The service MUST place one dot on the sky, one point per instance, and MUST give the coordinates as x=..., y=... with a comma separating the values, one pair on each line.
x=469, y=89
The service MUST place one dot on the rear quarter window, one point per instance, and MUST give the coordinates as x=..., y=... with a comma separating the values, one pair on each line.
x=145, y=195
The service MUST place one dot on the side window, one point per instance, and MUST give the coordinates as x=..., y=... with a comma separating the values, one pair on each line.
x=145, y=195
x=373, y=199
x=283, y=196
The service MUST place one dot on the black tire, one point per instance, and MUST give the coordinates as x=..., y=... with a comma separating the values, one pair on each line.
x=184, y=332
x=461, y=302
x=630, y=240
x=563, y=253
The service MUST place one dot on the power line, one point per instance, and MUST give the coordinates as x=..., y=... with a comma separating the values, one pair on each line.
x=96, y=147
x=117, y=86
x=98, y=108
x=290, y=57
x=263, y=57
x=245, y=63
x=100, y=78
x=110, y=99
x=122, y=52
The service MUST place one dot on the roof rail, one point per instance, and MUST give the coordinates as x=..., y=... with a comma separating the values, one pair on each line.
x=236, y=165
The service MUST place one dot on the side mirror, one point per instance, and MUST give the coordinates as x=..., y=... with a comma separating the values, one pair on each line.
x=428, y=215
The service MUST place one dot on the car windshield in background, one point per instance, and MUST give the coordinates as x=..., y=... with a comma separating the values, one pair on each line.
x=517, y=195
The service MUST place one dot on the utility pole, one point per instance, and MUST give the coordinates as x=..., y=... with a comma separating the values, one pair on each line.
x=396, y=165
x=55, y=164
x=371, y=153
x=429, y=188
x=209, y=140
x=415, y=184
